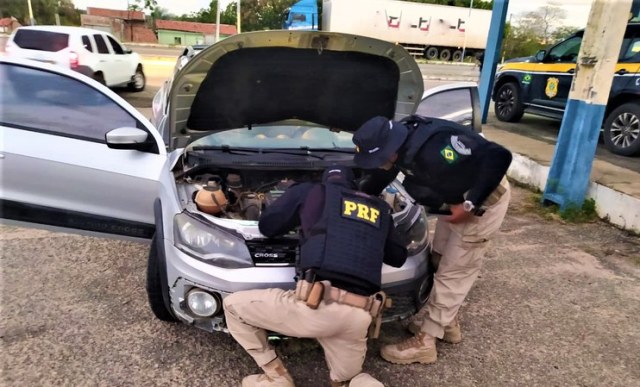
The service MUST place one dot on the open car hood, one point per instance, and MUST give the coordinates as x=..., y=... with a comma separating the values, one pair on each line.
x=326, y=79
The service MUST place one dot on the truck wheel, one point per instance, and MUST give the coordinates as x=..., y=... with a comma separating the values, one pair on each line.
x=457, y=56
x=445, y=54
x=622, y=130
x=508, y=106
x=156, y=285
x=431, y=53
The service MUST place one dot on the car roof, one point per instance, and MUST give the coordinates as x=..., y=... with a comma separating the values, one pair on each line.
x=63, y=29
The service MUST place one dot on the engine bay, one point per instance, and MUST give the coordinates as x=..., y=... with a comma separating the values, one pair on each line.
x=234, y=194
x=244, y=194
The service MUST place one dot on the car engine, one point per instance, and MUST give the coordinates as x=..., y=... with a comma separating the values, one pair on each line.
x=239, y=194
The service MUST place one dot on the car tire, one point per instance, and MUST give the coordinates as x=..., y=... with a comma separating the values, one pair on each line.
x=622, y=130
x=99, y=77
x=431, y=53
x=457, y=56
x=445, y=55
x=156, y=285
x=139, y=80
x=508, y=105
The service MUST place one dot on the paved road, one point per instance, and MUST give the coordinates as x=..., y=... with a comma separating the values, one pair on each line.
x=556, y=305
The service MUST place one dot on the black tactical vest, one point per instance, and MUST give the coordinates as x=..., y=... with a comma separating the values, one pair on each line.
x=350, y=236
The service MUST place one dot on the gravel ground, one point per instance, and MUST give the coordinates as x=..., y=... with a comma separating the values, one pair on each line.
x=556, y=305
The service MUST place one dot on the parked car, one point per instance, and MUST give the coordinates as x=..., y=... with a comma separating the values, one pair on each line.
x=186, y=55
x=542, y=87
x=242, y=123
x=93, y=53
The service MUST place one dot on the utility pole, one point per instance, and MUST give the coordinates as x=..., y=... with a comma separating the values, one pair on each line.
x=31, y=19
x=464, y=45
x=576, y=147
x=238, y=18
x=217, y=21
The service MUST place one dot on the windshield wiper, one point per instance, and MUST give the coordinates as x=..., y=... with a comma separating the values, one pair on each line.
x=245, y=150
x=335, y=150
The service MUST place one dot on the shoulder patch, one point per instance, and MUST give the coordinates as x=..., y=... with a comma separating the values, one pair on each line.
x=460, y=146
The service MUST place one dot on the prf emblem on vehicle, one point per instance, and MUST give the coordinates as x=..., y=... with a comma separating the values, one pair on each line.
x=552, y=87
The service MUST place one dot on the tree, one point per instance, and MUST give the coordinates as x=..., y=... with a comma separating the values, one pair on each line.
x=263, y=14
x=44, y=11
x=162, y=14
x=140, y=5
x=544, y=21
x=208, y=15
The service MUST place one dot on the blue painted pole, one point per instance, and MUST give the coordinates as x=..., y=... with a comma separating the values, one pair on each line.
x=492, y=54
x=576, y=147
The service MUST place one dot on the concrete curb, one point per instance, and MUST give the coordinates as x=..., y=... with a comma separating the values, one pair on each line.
x=613, y=206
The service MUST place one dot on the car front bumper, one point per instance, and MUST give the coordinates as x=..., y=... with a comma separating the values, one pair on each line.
x=405, y=285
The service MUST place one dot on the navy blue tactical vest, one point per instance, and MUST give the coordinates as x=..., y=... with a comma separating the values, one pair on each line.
x=350, y=236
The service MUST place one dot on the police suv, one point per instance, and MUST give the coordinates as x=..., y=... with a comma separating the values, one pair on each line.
x=542, y=87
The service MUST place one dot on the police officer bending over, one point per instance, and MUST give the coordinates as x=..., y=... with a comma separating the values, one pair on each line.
x=443, y=163
x=346, y=235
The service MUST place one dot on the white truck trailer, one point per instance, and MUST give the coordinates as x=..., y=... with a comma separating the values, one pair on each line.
x=425, y=30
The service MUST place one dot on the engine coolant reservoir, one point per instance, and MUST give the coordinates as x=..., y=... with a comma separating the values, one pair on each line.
x=211, y=199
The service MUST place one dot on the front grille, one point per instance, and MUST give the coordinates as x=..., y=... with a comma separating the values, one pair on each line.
x=274, y=253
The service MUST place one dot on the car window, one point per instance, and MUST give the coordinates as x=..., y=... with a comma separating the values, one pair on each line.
x=101, y=44
x=630, y=48
x=566, y=51
x=280, y=136
x=86, y=43
x=64, y=106
x=454, y=105
x=41, y=40
x=117, y=48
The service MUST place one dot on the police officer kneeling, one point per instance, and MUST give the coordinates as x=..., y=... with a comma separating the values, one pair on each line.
x=346, y=235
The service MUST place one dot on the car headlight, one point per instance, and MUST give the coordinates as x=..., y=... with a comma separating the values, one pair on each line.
x=418, y=233
x=210, y=244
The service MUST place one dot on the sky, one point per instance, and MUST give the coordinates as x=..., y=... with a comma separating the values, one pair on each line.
x=577, y=10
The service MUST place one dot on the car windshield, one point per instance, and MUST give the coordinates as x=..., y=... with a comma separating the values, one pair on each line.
x=280, y=136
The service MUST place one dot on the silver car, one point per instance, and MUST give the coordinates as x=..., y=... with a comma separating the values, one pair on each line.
x=241, y=121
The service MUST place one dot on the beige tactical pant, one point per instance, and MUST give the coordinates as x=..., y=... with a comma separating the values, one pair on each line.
x=461, y=247
x=340, y=329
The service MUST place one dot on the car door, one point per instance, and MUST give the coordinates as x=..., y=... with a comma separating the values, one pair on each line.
x=626, y=78
x=551, y=80
x=106, y=64
x=57, y=167
x=121, y=61
x=458, y=102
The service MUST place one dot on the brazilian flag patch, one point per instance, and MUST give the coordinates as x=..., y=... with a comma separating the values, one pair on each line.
x=449, y=154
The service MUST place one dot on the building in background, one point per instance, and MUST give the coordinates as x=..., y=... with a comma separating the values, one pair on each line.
x=8, y=24
x=127, y=26
x=182, y=33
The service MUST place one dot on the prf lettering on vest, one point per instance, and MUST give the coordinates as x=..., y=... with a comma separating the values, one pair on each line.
x=360, y=211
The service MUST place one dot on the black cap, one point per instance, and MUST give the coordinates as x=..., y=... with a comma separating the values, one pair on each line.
x=376, y=140
x=338, y=173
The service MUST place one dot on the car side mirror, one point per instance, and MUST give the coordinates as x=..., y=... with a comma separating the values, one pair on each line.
x=457, y=102
x=540, y=55
x=128, y=51
x=127, y=138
